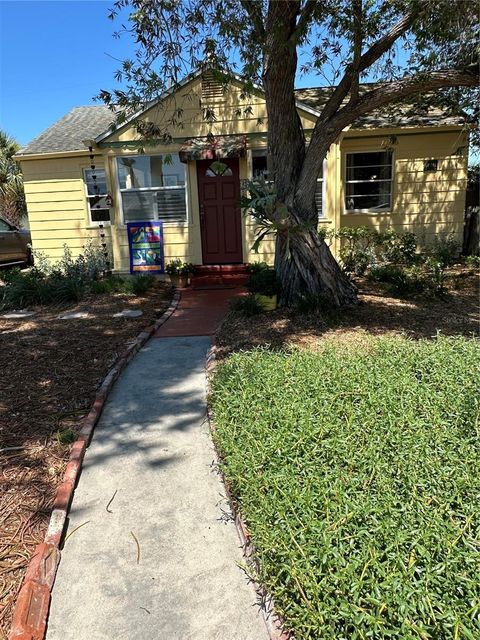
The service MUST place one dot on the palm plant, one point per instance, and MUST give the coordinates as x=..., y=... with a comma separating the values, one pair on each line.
x=12, y=195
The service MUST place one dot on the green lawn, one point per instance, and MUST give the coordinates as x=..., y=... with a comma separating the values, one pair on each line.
x=357, y=471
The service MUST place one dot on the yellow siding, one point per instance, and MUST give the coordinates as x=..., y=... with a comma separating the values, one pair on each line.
x=234, y=114
x=426, y=203
x=57, y=205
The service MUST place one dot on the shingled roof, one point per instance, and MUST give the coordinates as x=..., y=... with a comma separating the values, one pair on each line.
x=395, y=115
x=87, y=123
x=81, y=123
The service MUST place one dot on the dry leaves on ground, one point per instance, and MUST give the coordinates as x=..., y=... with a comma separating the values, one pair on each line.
x=50, y=369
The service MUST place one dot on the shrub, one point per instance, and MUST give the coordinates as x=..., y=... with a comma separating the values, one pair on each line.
x=177, y=267
x=256, y=267
x=316, y=304
x=140, y=284
x=264, y=283
x=445, y=250
x=248, y=305
x=356, y=249
x=395, y=247
x=400, y=280
x=362, y=248
x=428, y=278
x=66, y=281
x=357, y=473
x=473, y=262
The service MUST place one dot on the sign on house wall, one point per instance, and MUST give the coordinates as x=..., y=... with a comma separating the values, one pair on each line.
x=145, y=243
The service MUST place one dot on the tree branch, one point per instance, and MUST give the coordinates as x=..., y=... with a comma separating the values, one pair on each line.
x=391, y=92
x=254, y=11
x=376, y=51
x=302, y=23
x=357, y=48
x=325, y=133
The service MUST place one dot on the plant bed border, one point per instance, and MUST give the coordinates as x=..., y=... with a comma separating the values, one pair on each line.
x=273, y=621
x=30, y=612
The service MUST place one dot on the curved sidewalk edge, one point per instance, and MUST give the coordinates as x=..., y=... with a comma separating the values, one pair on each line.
x=272, y=620
x=31, y=609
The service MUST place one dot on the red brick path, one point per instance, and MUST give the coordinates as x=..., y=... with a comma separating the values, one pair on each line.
x=199, y=312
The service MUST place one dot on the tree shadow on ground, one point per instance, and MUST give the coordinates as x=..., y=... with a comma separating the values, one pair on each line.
x=379, y=313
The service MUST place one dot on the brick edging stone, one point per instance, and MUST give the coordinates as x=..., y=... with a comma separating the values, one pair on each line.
x=272, y=620
x=31, y=608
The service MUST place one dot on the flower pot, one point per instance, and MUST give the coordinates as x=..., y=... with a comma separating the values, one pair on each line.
x=268, y=303
x=179, y=281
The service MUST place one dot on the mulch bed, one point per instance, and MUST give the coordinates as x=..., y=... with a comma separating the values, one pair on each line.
x=50, y=369
x=379, y=313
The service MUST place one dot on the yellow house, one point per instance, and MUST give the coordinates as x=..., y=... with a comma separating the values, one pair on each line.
x=403, y=172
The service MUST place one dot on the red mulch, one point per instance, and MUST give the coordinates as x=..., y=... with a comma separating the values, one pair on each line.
x=50, y=370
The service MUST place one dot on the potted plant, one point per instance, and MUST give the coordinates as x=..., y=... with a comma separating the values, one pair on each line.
x=179, y=272
x=264, y=285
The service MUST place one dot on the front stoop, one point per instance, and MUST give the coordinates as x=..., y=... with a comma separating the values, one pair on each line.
x=220, y=276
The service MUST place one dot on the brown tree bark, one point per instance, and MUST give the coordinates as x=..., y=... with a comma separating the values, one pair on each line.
x=303, y=262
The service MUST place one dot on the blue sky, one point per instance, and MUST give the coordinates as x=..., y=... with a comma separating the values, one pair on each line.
x=54, y=55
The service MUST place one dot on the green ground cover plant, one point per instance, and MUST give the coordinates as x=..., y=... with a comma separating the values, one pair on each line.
x=357, y=470
x=69, y=280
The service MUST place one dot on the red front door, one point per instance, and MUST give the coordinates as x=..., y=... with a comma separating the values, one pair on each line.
x=220, y=217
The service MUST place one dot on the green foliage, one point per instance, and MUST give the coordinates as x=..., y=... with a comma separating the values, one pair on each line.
x=66, y=436
x=255, y=267
x=395, y=247
x=69, y=280
x=29, y=288
x=406, y=281
x=88, y=266
x=264, y=282
x=140, y=284
x=473, y=262
x=12, y=194
x=445, y=250
x=317, y=304
x=362, y=247
x=358, y=474
x=246, y=305
x=179, y=268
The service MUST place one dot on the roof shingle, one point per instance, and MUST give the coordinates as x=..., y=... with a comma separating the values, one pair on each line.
x=394, y=115
x=81, y=123
x=86, y=123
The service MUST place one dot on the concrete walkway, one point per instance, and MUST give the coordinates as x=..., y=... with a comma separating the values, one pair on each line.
x=161, y=562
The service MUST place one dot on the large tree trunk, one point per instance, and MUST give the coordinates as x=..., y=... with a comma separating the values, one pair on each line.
x=303, y=262
x=305, y=267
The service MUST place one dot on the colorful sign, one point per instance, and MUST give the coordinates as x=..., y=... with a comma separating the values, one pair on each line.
x=145, y=242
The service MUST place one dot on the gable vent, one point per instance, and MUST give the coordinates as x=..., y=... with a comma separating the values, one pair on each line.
x=212, y=89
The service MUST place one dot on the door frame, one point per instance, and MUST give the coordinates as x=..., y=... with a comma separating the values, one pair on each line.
x=199, y=165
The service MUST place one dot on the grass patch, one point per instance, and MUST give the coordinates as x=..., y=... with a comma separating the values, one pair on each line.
x=358, y=473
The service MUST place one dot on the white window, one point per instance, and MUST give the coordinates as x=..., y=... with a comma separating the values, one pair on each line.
x=368, y=181
x=152, y=188
x=320, y=192
x=96, y=187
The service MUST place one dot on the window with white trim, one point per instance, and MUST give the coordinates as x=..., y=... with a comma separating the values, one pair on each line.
x=96, y=198
x=320, y=191
x=152, y=188
x=368, y=181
